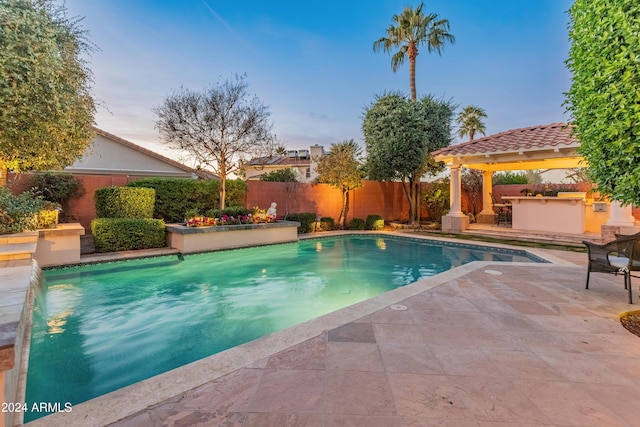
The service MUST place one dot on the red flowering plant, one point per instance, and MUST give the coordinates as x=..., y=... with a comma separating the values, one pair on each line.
x=193, y=218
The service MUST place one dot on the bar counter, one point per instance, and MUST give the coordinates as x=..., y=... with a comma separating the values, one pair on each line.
x=552, y=214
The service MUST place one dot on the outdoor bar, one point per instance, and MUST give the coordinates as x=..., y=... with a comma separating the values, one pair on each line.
x=534, y=148
x=568, y=214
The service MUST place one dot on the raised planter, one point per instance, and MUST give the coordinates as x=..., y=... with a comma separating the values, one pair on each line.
x=202, y=239
x=59, y=245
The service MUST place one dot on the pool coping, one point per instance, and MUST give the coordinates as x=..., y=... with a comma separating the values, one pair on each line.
x=124, y=402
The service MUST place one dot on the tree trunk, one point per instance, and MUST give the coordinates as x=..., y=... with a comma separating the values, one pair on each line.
x=345, y=208
x=412, y=78
x=223, y=191
x=412, y=53
x=417, y=200
x=408, y=191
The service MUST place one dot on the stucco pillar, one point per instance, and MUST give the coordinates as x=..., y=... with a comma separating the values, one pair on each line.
x=487, y=215
x=620, y=216
x=455, y=221
x=621, y=221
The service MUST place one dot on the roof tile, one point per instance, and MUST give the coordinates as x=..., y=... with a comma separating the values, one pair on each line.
x=530, y=138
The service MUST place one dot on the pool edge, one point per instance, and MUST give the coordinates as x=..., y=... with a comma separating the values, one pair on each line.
x=119, y=404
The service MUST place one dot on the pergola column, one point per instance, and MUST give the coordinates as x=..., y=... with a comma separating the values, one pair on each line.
x=455, y=221
x=619, y=218
x=487, y=215
x=620, y=215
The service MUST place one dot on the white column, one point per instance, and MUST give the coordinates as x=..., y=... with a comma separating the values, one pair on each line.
x=620, y=216
x=455, y=193
x=487, y=185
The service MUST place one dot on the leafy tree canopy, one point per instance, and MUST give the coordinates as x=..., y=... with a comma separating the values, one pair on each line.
x=46, y=107
x=218, y=127
x=341, y=168
x=399, y=137
x=604, y=98
x=280, y=175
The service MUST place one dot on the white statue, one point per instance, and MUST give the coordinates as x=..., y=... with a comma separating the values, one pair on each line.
x=271, y=212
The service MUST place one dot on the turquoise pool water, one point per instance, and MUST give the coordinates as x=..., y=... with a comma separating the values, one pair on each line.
x=101, y=327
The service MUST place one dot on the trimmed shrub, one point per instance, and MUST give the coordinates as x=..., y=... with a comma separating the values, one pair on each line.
x=125, y=234
x=175, y=196
x=357, y=224
x=19, y=213
x=124, y=202
x=508, y=177
x=374, y=222
x=327, y=223
x=306, y=220
x=58, y=188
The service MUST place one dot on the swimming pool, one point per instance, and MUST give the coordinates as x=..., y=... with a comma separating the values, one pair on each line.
x=101, y=327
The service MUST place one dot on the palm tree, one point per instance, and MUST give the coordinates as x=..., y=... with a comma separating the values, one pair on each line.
x=470, y=121
x=413, y=28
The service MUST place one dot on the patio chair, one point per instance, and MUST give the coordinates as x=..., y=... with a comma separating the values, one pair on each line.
x=634, y=264
x=616, y=257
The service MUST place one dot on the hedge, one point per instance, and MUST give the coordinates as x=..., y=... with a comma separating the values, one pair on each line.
x=327, y=223
x=374, y=222
x=306, y=220
x=124, y=202
x=175, y=196
x=357, y=224
x=125, y=234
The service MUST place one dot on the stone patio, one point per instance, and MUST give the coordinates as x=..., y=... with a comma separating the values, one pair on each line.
x=487, y=344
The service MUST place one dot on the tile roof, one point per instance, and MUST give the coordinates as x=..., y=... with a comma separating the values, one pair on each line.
x=524, y=139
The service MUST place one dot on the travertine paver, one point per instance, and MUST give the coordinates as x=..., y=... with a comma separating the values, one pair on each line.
x=529, y=346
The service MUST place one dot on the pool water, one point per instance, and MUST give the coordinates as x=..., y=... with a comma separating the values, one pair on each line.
x=101, y=327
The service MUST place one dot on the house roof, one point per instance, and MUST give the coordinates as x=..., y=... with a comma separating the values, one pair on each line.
x=120, y=156
x=536, y=147
x=278, y=161
x=144, y=150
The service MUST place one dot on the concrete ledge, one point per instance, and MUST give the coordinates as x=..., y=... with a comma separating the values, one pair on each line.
x=60, y=245
x=202, y=239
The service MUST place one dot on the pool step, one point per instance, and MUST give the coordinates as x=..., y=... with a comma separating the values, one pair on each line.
x=541, y=237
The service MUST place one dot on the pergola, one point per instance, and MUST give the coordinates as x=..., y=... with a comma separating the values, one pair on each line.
x=538, y=147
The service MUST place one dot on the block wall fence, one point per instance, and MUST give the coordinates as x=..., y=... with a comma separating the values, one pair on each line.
x=383, y=198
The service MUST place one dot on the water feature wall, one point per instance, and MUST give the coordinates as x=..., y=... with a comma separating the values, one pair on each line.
x=19, y=277
x=21, y=255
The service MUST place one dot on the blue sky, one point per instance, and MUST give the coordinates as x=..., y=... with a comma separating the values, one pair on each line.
x=313, y=64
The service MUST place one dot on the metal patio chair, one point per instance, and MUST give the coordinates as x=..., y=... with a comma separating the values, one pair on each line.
x=617, y=257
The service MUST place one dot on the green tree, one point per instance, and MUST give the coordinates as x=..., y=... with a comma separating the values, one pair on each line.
x=280, y=175
x=217, y=127
x=470, y=121
x=400, y=135
x=341, y=168
x=471, y=180
x=604, y=97
x=412, y=29
x=46, y=107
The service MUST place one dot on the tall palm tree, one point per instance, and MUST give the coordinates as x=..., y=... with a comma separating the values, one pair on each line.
x=412, y=29
x=470, y=121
